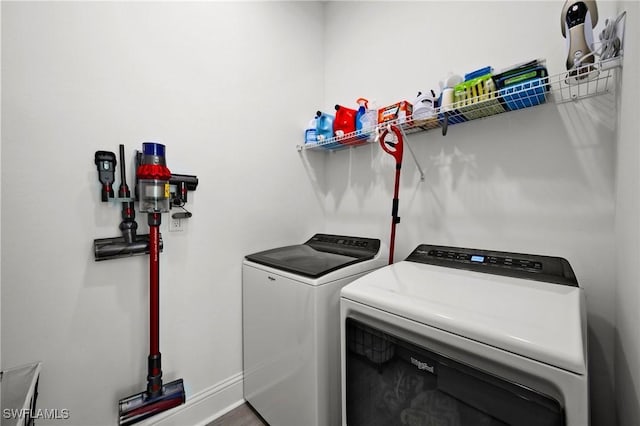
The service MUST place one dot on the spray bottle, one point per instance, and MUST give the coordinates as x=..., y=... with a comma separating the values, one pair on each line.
x=362, y=111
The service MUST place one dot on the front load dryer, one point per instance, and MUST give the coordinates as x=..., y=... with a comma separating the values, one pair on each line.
x=291, y=326
x=463, y=337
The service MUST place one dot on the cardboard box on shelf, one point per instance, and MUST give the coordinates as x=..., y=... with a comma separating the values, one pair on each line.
x=401, y=111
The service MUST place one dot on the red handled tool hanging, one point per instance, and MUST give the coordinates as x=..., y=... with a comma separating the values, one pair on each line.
x=393, y=147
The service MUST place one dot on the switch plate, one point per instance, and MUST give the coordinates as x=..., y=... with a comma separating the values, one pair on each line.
x=175, y=225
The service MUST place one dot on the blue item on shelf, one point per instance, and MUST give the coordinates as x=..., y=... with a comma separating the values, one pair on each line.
x=310, y=134
x=477, y=73
x=523, y=89
x=512, y=77
x=454, y=117
x=324, y=129
x=524, y=95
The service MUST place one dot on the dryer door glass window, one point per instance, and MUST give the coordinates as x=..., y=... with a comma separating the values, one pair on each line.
x=392, y=382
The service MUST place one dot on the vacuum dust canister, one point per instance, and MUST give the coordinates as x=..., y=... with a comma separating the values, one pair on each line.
x=153, y=179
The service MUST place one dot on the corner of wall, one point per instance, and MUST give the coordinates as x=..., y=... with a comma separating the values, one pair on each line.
x=323, y=50
x=627, y=228
x=323, y=100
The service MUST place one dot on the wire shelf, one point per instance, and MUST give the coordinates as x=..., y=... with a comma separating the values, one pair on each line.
x=580, y=83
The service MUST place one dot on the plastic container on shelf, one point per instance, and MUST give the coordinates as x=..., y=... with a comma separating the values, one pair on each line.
x=526, y=94
x=366, y=120
x=424, y=110
x=446, y=101
x=324, y=129
x=310, y=133
x=477, y=73
x=369, y=119
x=477, y=98
x=345, y=121
x=524, y=86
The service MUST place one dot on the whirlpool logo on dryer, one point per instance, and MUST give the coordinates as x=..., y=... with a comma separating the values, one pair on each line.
x=422, y=365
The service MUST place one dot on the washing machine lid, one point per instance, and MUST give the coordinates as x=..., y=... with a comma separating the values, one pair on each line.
x=539, y=320
x=320, y=255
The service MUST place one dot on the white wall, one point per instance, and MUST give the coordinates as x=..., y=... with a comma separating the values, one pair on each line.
x=228, y=87
x=538, y=181
x=627, y=361
x=1, y=106
x=0, y=202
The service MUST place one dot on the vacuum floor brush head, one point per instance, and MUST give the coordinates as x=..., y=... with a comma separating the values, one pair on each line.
x=141, y=405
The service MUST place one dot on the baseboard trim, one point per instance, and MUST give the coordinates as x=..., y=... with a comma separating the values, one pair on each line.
x=204, y=406
x=221, y=413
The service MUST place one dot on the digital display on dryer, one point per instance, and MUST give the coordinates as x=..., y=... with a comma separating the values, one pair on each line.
x=477, y=259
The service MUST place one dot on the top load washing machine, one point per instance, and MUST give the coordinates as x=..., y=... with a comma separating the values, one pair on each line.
x=291, y=328
x=461, y=336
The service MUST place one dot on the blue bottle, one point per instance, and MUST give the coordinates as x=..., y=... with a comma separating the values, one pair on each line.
x=324, y=129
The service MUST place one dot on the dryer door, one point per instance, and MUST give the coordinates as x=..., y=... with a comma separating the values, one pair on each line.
x=390, y=381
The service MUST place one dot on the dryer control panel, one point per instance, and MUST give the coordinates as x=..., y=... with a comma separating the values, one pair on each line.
x=528, y=266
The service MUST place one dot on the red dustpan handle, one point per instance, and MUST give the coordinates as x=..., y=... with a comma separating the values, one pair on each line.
x=394, y=149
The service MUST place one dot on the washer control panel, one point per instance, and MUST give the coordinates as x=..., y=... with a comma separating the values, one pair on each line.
x=528, y=266
x=349, y=246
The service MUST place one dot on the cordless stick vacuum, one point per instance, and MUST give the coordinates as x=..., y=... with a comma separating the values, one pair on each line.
x=154, y=193
x=393, y=147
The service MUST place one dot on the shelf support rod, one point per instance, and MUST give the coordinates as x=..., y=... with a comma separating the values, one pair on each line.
x=415, y=159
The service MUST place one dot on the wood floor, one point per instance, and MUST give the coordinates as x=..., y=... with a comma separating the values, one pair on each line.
x=243, y=415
